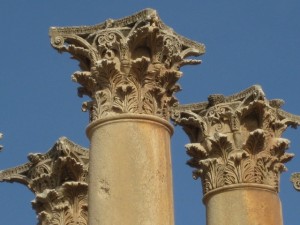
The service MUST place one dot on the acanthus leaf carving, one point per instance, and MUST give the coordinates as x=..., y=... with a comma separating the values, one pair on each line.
x=133, y=62
x=221, y=147
x=236, y=139
x=255, y=143
x=125, y=99
x=59, y=180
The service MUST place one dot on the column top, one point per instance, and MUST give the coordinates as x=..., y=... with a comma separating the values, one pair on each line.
x=128, y=65
x=58, y=178
x=237, y=140
x=238, y=101
x=128, y=23
x=65, y=161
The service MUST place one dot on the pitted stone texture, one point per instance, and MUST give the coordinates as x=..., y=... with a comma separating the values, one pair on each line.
x=131, y=182
x=244, y=206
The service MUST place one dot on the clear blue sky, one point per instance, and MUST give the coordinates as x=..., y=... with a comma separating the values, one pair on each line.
x=248, y=42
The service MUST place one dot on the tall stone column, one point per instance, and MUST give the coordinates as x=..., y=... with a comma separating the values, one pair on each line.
x=130, y=67
x=238, y=153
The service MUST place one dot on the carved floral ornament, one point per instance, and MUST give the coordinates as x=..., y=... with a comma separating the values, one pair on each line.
x=129, y=65
x=295, y=178
x=236, y=139
x=59, y=180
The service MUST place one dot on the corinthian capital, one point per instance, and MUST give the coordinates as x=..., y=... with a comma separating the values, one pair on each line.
x=129, y=65
x=58, y=179
x=236, y=139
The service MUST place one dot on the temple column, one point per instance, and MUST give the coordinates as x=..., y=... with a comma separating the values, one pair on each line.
x=129, y=68
x=131, y=163
x=238, y=153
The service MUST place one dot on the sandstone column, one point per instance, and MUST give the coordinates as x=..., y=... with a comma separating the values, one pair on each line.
x=238, y=153
x=130, y=67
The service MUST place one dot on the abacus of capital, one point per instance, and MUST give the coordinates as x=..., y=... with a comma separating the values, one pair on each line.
x=129, y=70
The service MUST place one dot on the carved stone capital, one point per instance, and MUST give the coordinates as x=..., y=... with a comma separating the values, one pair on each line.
x=236, y=139
x=59, y=180
x=129, y=65
x=295, y=179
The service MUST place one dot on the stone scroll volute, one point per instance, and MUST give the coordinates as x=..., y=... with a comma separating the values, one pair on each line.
x=129, y=65
x=237, y=139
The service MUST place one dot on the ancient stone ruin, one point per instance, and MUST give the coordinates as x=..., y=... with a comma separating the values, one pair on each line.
x=129, y=71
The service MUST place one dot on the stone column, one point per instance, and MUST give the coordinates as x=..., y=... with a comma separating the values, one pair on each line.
x=130, y=67
x=238, y=153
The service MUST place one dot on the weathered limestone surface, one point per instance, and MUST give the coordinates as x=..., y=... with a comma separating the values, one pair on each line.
x=129, y=65
x=132, y=173
x=129, y=69
x=238, y=153
x=243, y=205
x=58, y=178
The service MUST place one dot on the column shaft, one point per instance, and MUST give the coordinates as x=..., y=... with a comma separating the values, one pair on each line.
x=130, y=179
x=243, y=205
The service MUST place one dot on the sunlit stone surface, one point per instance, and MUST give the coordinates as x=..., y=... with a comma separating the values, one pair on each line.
x=238, y=153
x=129, y=69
